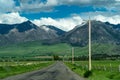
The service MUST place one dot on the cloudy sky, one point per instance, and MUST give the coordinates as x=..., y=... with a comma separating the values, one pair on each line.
x=65, y=14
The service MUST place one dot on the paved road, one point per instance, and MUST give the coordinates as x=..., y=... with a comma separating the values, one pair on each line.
x=57, y=71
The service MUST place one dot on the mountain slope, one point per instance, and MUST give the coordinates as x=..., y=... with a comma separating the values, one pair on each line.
x=5, y=28
x=101, y=33
x=26, y=31
x=58, y=31
x=117, y=27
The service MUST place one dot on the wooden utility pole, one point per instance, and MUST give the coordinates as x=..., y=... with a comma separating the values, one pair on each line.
x=72, y=55
x=90, y=67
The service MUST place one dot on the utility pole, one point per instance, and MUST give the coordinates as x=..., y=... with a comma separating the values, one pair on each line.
x=90, y=67
x=72, y=55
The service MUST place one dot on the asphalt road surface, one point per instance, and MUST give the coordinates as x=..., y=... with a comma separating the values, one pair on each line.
x=57, y=71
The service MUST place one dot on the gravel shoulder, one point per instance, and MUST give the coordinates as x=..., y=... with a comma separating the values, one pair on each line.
x=57, y=71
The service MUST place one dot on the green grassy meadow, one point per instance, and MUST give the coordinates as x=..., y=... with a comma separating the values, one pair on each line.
x=36, y=48
x=33, y=49
x=12, y=55
x=13, y=68
x=102, y=70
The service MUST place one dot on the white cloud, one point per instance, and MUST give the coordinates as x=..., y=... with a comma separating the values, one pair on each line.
x=37, y=6
x=112, y=19
x=74, y=2
x=117, y=0
x=52, y=3
x=48, y=5
x=6, y=5
x=110, y=5
x=85, y=15
x=11, y=18
x=96, y=3
x=62, y=23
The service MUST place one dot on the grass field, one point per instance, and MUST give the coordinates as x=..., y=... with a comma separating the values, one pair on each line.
x=13, y=68
x=102, y=70
x=35, y=48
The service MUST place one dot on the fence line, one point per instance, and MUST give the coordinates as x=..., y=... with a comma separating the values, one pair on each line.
x=109, y=68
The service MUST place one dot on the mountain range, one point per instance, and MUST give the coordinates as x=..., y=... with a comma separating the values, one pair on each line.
x=100, y=32
x=28, y=31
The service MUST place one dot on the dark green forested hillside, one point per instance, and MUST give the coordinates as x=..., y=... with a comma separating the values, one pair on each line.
x=61, y=49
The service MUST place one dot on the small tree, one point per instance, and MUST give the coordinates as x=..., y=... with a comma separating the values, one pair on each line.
x=56, y=57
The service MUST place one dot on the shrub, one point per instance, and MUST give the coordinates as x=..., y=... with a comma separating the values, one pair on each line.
x=87, y=74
